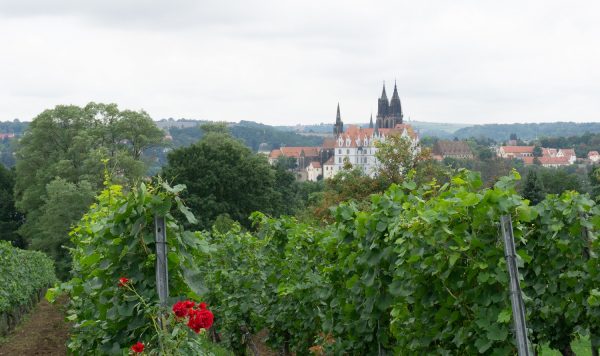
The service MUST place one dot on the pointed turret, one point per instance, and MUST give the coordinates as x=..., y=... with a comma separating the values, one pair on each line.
x=371, y=122
x=383, y=105
x=396, y=107
x=338, y=128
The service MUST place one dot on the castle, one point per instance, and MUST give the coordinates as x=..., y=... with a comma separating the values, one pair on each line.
x=354, y=146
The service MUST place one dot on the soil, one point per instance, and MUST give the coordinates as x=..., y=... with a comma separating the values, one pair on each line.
x=43, y=332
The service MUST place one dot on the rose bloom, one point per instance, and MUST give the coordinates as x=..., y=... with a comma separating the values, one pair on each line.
x=181, y=308
x=123, y=281
x=138, y=347
x=200, y=318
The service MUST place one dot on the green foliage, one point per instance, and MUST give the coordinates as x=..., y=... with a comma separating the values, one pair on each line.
x=10, y=218
x=63, y=152
x=529, y=131
x=22, y=274
x=116, y=239
x=251, y=133
x=224, y=177
x=560, y=255
x=533, y=189
x=420, y=271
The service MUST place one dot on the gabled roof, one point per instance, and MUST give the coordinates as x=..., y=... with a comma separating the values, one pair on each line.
x=354, y=133
x=315, y=164
x=517, y=149
x=554, y=160
x=443, y=147
x=295, y=152
x=568, y=152
x=330, y=161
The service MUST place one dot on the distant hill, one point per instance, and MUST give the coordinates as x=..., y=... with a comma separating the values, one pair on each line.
x=442, y=130
x=186, y=132
x=500, y=132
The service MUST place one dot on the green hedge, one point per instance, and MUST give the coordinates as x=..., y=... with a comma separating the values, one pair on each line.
x=22, y=274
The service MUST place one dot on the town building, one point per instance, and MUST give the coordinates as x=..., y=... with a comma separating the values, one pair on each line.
x=515, y=151
x=550, y=157
x=355, y=146
x=452, y=149
x=314, y=172
x=593, y=156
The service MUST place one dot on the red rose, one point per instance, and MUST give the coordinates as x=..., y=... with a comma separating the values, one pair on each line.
x=138, y=347
x=180, y=309
x=123, y=281
x=200, y=318
x=189, y=304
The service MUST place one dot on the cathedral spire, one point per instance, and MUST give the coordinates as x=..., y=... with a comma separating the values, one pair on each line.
x=338, y=128
x=396, y=107
x=383, y=93
x=371, y=122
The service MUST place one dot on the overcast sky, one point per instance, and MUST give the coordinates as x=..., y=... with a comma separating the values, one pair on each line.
x=288, y=62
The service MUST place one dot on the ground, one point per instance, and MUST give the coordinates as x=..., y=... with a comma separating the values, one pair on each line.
x=43, y=332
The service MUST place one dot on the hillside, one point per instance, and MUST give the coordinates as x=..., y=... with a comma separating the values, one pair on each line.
x=528, y=131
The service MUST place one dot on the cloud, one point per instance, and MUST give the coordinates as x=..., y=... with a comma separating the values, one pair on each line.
x=285, y=62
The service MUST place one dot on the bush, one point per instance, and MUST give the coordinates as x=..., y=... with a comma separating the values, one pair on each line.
x=22, y=274
x=114, y=246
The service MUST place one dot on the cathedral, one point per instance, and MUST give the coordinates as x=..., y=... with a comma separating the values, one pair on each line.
x=389, y=113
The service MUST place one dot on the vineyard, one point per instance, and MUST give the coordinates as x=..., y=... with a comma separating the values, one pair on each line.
x=24, y=277
x=421, y=271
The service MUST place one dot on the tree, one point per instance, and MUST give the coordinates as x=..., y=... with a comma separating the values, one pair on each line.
x=68, y=144
x=223, y=176
x=537, y=151
x=594, y=177
x=533, y=190
x=398, y=155
x=10, y=218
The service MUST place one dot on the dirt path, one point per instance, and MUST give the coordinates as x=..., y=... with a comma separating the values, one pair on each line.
x=43, y=332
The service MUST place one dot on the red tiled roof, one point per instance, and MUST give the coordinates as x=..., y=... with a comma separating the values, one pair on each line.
x=329, y=142
x=354, y=132
x=330, y=161
x=517, y=149
x=554, y=160
x=528, y=160
x=568, y=152
x=593, y=153
x=294, y=152
x=315, y=164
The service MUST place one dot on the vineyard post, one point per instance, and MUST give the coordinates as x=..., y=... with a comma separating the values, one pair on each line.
x=162, y=275
x=516, y=298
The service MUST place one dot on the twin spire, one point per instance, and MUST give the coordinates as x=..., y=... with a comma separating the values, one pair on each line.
x=389, y=113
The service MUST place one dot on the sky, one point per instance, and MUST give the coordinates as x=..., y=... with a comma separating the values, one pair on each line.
x=290, y=62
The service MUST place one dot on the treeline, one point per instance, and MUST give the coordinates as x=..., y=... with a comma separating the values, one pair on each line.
x=529, y=131
x=251, y=133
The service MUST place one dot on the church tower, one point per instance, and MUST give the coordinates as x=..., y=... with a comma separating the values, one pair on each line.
x=396, y=108
x=383, y=107
x=389, y=113
x=338, y=128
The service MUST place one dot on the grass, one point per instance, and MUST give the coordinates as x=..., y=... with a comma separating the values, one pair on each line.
x=581, y=347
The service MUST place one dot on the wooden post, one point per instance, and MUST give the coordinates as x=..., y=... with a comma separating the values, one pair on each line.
x=162, y=274
x=516, y=298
